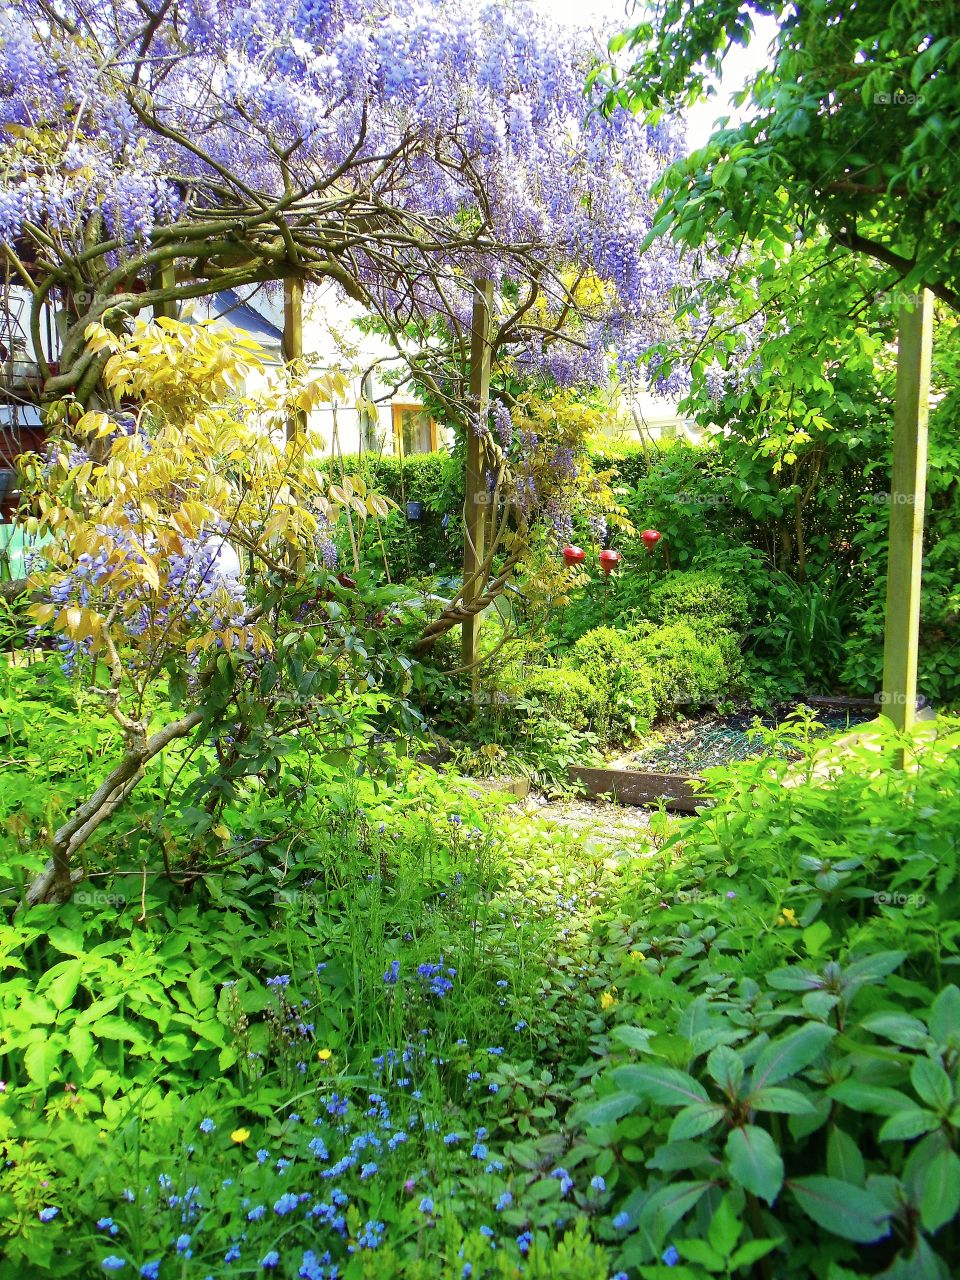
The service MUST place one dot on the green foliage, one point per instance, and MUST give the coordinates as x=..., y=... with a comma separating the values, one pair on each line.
x=609, y=660
x=565, y=694
x=786, y=1043
x=698, y=596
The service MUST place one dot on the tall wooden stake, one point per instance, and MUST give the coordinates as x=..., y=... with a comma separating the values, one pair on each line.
x=293, y=341
x=166, y=278
x=907, y=496
x=476, y=492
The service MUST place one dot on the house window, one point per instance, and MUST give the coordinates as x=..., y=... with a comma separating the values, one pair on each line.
x=414, y=431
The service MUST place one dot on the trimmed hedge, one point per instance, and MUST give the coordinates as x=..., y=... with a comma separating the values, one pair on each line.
x=567, y=695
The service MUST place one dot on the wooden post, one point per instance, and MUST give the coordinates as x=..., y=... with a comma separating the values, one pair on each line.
x=166, y=278
x=293, y=341
x=476, y=492
x=907, y=496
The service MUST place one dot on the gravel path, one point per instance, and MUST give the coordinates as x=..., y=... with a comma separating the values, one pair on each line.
x=605, y=829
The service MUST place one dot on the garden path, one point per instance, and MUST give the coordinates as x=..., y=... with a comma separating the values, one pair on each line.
x=605, y=828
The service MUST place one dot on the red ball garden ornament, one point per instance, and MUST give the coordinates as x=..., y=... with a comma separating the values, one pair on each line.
x=574, y=555
x=650, y=538
x=609, y=560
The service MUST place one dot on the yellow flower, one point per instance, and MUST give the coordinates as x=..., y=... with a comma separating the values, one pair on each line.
x=788, y=916
x=324, y=1055
x=637, y=955
x=608, y=999
x=240, y=1135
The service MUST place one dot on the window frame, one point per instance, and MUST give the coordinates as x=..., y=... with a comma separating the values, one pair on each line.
x=398, y=409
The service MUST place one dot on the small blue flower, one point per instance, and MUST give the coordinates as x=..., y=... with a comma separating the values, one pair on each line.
x=467, y=1271
x=270, y=1260
x=524, y=1241
x=107, y=1224
x=150, y=1270
x=598, y=1183
x=183, y=1244
x=367, y=1170
x=392, y=974
x=48, y=1214
x=113, y=1263
x=232, y=1254
x=207, y=1125
x=621, y=1221
x=426, y=1205
x=520, y=1026
x=487, y=1231
x=479, y=1151
x=263, y=1155
x=505, y=1201
x=451, y=1139
x=281, y=980
x=670, y=1256
x=256, y=1213
x=286, y=1204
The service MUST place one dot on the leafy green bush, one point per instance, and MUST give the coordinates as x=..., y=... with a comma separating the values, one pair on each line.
x=609, y=660
x=689, y=665
x=697, y=595
x=784, y=1064
x=565, y=694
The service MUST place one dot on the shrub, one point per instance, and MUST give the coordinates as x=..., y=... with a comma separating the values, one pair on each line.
x=689, y=665
x=649, y=671
x=609, y=660
x=700, y=594
x=566, y=694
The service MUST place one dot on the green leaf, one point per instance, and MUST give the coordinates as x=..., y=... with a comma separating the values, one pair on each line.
x=664, y=1209
x=933, y=1171
x=633, y=1037
x=725, y=1227
x=663, y=1085
x=898, y=1027
x=696, y=1119
x=785, y=1101
x=844, y=1160
x=82, y=1046
x=872, y=968
x=815, y=936
x=944, y=1020
x=40, y=1060
x=725, y=1067
x=65, y=940
x=932, y=1084
x=753, y=1159
x=60, y=983
x=702, y=1253
x=841, y=1208
x=790, y=1054
x=872, y=1098
x=908, y=1124
x=606, y=1110
x=752, y=1252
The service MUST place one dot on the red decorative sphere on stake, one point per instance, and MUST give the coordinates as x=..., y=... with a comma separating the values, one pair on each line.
x=650, y=538
x=574, y=555
x=609, y=560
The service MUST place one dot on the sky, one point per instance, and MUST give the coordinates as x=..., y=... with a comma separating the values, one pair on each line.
x=739, y=65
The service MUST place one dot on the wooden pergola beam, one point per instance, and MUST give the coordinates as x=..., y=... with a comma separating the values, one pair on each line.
x=907, y=497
